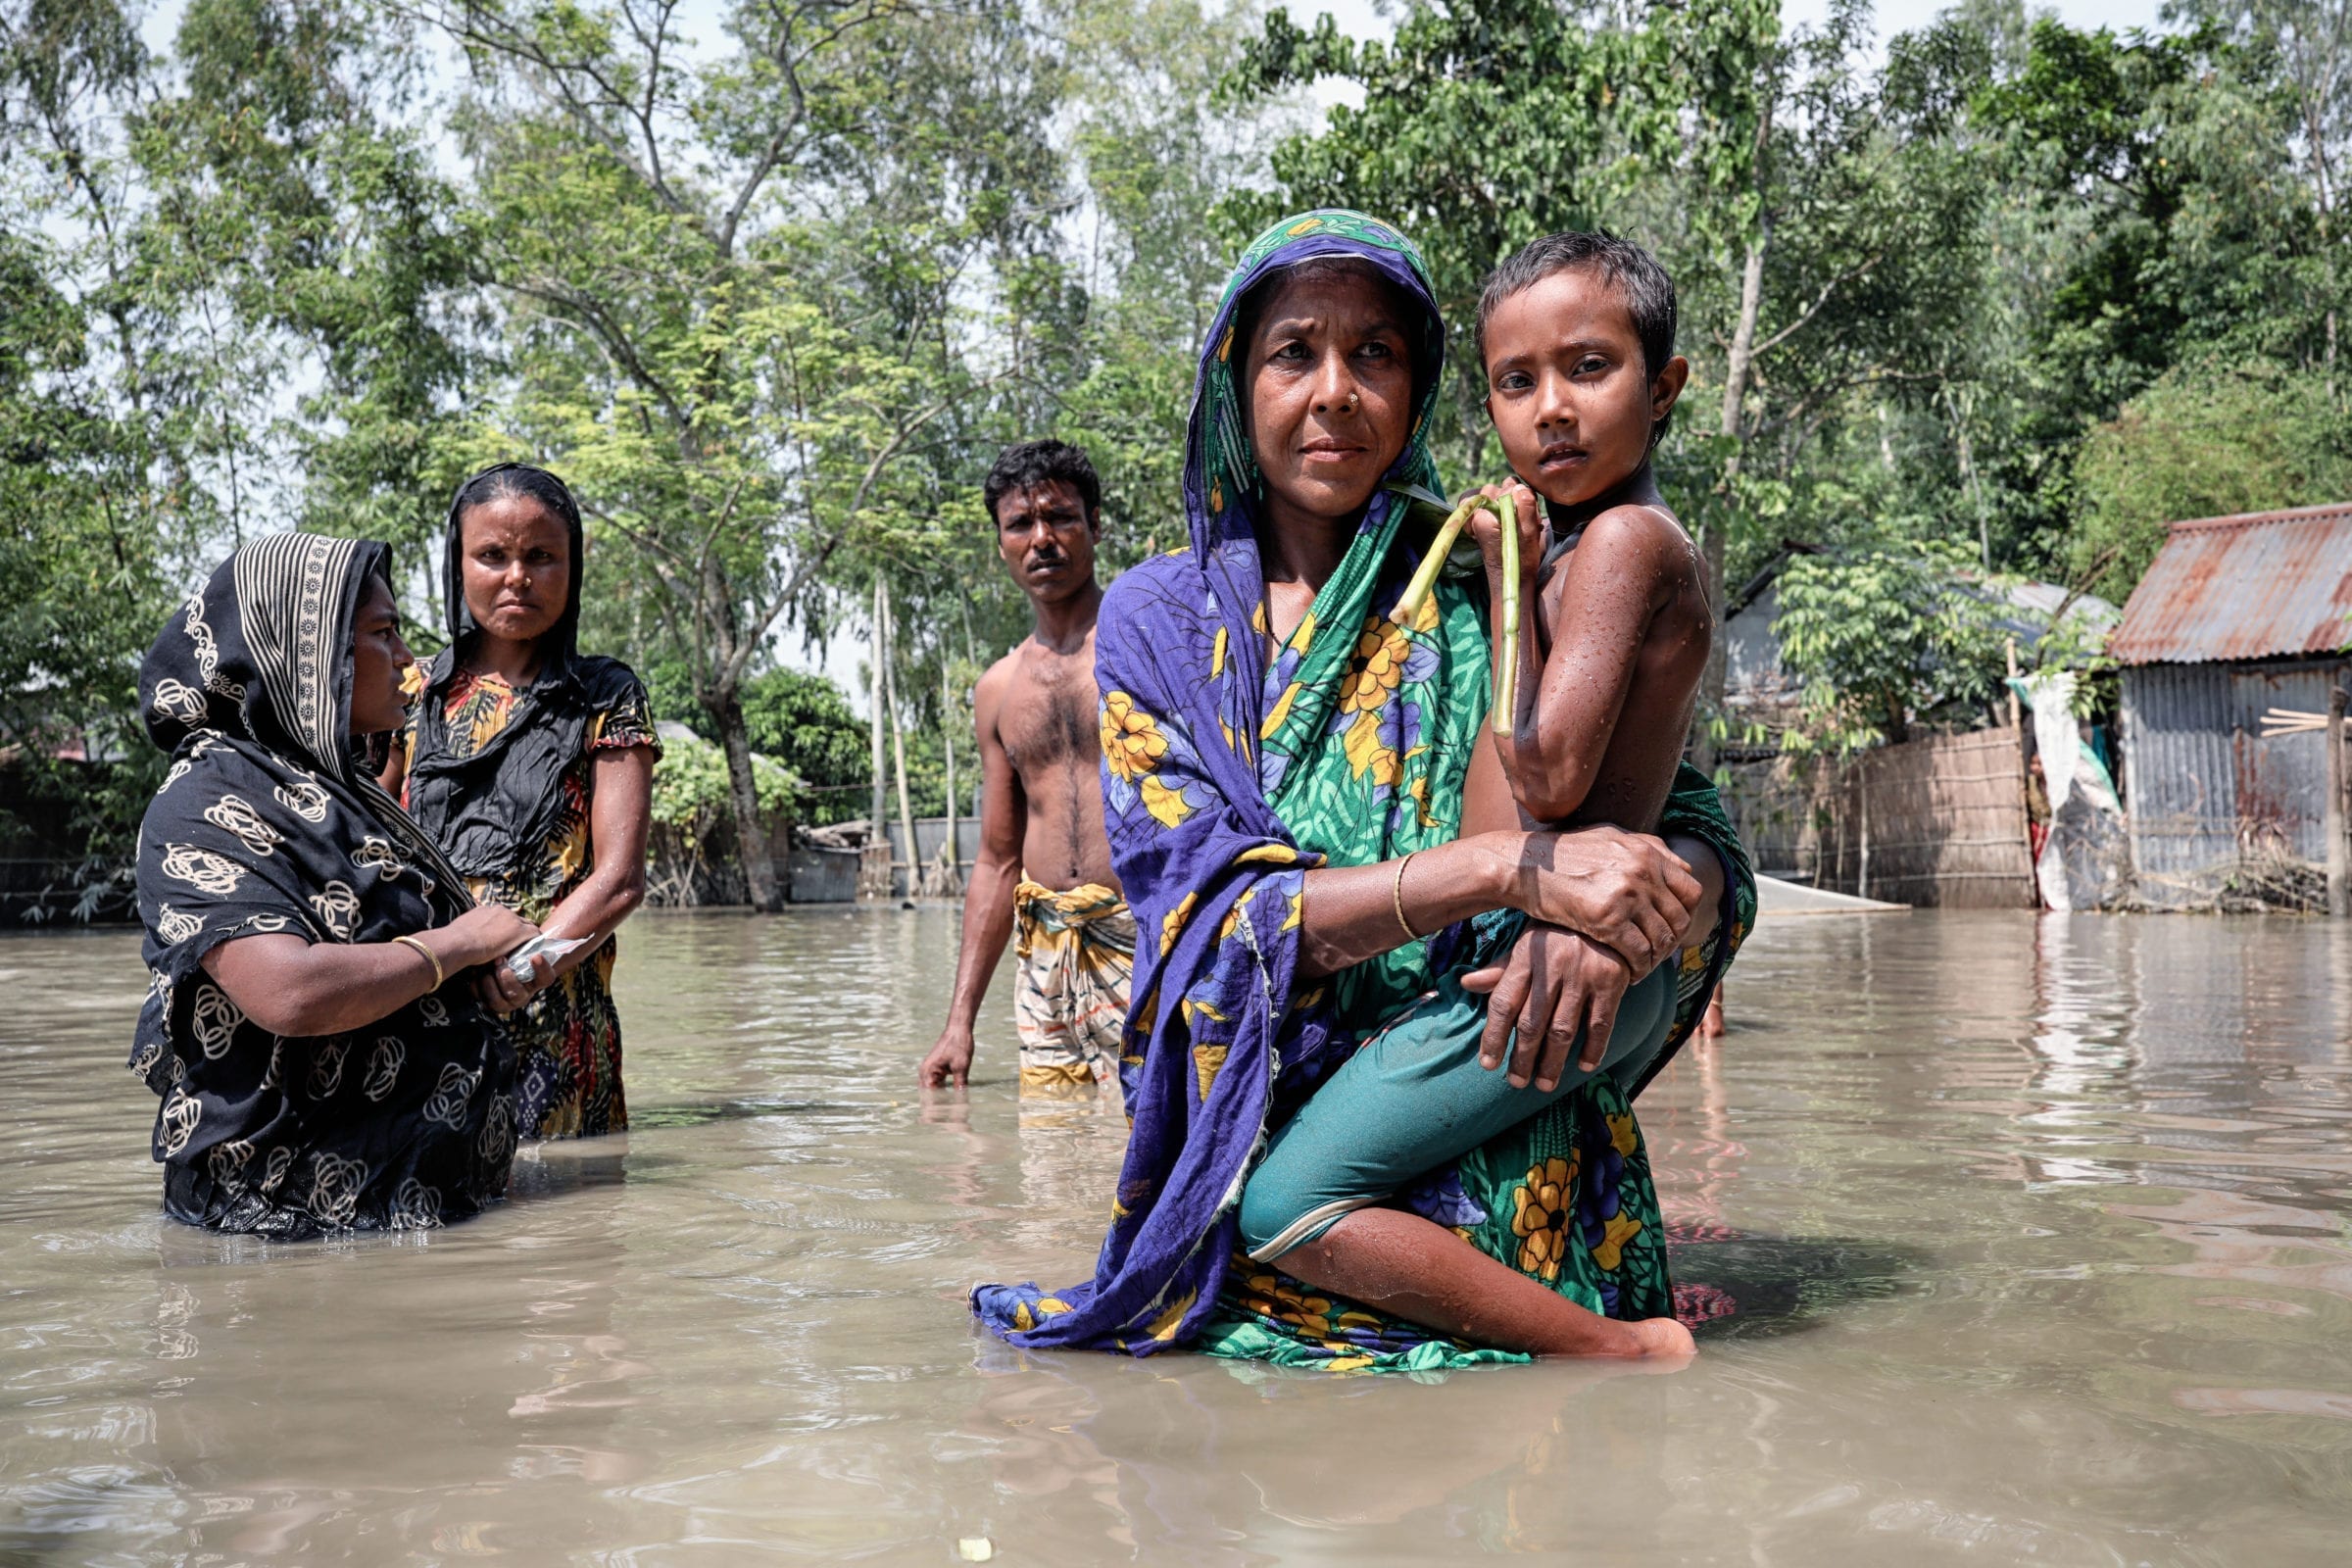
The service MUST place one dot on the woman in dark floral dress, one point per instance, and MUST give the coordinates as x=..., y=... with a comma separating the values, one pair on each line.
x=532, y=766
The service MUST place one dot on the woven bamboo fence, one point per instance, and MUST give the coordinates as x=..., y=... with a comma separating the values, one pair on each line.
x=1939, y=821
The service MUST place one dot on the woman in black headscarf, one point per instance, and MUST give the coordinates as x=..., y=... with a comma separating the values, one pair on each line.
x=323, y=1066
x=531, y=765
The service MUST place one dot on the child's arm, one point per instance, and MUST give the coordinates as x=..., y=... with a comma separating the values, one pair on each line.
x=1594, y=629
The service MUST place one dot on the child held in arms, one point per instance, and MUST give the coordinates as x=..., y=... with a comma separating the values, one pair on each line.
x=1576, y=332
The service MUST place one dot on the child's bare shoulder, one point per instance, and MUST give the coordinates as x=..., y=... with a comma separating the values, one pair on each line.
x=1639, y=534
x=1632, y=543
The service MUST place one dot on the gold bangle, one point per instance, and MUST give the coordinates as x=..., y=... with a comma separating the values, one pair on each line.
x=1397, y=894
x=431, y=956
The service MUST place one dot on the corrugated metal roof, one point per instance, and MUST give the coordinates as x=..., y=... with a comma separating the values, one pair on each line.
x=2243, y=587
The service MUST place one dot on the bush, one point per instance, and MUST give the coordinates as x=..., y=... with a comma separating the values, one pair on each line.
x=1885, y=638
x=691, y=851
x=690, y=787
x=802, y=721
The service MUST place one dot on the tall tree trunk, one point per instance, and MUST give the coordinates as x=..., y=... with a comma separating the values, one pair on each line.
x=877, y=657
x=2316, y=144
x=898, y=752
x=742, y=795
x=950, y=880
x=1735, y=396
x=1967, y=452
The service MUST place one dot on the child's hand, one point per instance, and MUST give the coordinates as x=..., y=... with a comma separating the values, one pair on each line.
x=1554, y=990
x=1484, y=528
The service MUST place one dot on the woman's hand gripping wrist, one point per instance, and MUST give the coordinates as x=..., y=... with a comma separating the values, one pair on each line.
x=1625, y=891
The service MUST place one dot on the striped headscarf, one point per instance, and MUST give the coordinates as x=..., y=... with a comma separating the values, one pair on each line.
x=269, y=822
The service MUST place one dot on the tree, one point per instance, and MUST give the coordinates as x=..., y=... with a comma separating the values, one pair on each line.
x=774, y=297
x=2203, y=443
x=2311, y=41
x=1823, y=225
x=739, y=288
x=2099, y=119
x=1155, y=151
x=181, y=250
x=317, y=259
x=86, y=584
x=2157, y=215
x=1484, y=125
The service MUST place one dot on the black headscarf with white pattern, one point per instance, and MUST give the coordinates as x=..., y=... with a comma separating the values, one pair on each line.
x=270, y=821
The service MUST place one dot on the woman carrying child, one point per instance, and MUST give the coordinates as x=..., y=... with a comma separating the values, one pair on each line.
x=1289, y=777
x=532, y=765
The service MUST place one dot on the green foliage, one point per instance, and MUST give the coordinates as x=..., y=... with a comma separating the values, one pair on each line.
x=2203, y=443
x=2163, y=216
x=804, y=720
x=763, y=303
x=2174, y=143
x=1155, y=152
x=690, y=787
x=2005, y=297
x=1483, y=125
x=1911, y=293
x=1886, y=638
x=86, y=587
x=799, y=720
x=1714, y=137
x=302, y=223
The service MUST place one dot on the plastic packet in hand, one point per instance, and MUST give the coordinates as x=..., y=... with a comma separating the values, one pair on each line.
x=543, y=945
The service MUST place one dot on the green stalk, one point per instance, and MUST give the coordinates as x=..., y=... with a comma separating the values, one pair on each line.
x=1426, y=575
x=1506, y=679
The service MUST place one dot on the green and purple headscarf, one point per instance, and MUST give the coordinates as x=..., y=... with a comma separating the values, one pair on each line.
x=1226, y=778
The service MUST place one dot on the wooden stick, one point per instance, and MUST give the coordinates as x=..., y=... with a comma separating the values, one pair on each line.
x=2290, y=721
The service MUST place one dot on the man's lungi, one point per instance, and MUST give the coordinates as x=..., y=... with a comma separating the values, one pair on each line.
x=1077, y=958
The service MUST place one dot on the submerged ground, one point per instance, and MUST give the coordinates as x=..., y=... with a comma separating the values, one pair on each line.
x=2037, y=1228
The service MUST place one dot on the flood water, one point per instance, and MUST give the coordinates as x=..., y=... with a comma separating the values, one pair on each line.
x=2037, y=1229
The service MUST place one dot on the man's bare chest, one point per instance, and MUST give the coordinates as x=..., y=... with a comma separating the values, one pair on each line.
x=1048, y=715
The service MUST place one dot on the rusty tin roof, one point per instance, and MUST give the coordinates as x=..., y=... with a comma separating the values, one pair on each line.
x=2245, y=587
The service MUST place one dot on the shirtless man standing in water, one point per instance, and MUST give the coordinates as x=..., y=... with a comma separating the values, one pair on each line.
x=1043, y=862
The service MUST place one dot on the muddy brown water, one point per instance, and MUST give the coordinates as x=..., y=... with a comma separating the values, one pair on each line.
x=2037, y=1228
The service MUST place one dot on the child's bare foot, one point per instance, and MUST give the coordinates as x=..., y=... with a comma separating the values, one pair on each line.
x=1662, y=1339
x=1655, y=1344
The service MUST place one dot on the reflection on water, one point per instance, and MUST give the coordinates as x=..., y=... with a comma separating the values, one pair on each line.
x=2034, y=1227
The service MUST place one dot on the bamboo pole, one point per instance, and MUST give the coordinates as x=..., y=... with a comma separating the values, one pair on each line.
x=2340, y=893
x=898, y=748
x=951, y=871
x=2025, y=784
x=1862, y=884
x=1845, y=783
x=878, y=655
x=873, y=880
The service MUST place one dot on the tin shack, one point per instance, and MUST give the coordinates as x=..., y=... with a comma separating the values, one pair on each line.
x=2238, y=618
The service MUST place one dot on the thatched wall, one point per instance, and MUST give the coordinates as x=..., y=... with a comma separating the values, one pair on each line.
x=1934, y=821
